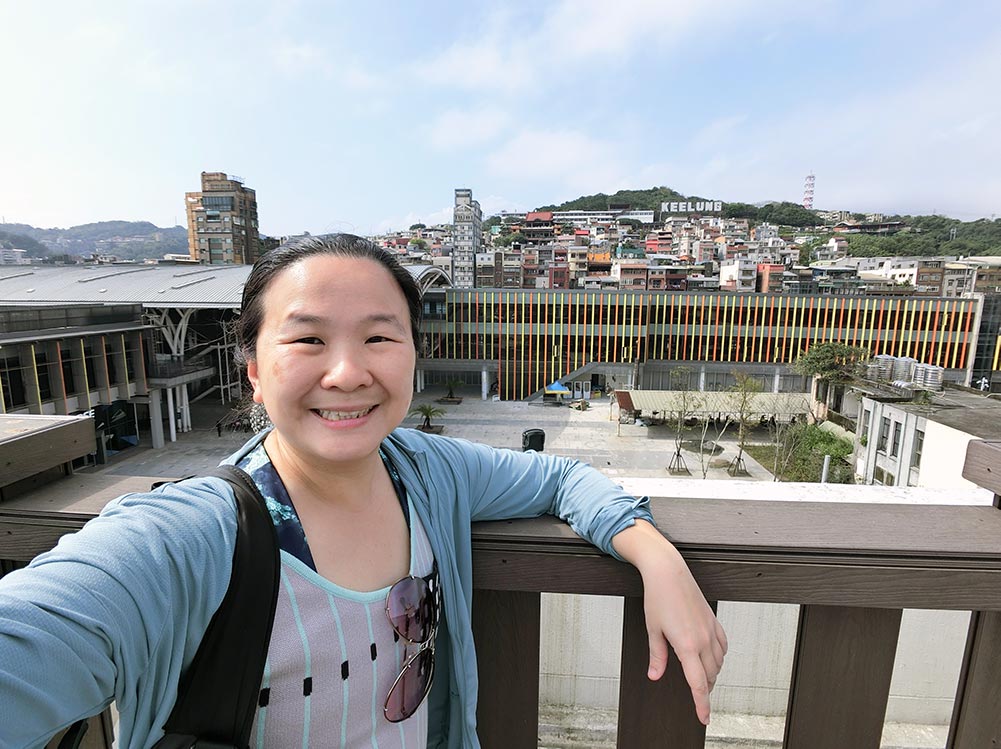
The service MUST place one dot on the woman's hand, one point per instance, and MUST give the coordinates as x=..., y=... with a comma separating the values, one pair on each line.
x=676, y=612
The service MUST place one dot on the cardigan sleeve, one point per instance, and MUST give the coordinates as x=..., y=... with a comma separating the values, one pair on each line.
x=114, y=612
x=501, y=484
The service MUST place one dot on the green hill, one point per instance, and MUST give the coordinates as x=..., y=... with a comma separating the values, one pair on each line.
x=784, y=213
x=129, y=240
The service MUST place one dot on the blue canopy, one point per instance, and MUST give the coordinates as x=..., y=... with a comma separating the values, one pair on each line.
x=557, y=387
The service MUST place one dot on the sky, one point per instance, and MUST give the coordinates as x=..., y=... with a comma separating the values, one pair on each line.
x=364, y=117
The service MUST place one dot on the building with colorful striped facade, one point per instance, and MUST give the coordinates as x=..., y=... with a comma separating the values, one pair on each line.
x=523, y=340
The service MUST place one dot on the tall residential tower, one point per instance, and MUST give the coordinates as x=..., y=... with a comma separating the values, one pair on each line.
x=222, y=221
x=467, y=238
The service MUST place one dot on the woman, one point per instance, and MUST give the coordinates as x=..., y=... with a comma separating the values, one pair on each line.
x=329, y=331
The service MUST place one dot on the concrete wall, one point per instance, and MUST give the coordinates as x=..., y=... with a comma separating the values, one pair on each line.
x=942, y=460
x=581, y=645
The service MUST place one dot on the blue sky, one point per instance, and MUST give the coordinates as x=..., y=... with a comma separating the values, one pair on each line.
x=349, y=116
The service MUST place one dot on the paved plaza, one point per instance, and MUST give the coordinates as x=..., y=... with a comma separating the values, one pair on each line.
x=619, y=450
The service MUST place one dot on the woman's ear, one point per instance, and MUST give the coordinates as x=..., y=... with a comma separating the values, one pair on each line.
x=255, y=381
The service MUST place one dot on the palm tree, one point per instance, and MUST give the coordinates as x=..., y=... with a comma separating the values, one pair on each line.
x=427, y=412
x=452, y=386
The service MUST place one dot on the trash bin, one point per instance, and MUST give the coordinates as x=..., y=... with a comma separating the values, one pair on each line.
x=533, y=439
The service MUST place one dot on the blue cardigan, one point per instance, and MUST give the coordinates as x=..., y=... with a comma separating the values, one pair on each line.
x=117, y=610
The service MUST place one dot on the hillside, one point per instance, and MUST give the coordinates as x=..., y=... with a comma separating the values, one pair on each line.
x=785, y=213
x=129, y=240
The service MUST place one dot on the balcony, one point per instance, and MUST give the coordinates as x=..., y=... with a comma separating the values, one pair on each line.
x=851, y=568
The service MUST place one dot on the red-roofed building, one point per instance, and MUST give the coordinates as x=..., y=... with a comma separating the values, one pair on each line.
x=538, y=227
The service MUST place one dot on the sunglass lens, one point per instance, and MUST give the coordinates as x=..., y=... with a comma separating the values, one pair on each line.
x=410, y=609
x=411, y=688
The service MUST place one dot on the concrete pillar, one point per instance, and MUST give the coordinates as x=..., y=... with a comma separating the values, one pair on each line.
x=55, y=368
x=702, y=378
x=156, y=418
x=29, y=377
x=484, y=384
x=185, y=409
x=776, y=380
x=171, y=414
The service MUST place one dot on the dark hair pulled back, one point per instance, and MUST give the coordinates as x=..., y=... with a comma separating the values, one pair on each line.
x=269, y=266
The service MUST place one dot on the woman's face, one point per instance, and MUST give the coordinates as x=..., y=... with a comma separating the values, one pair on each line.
x=334, y=358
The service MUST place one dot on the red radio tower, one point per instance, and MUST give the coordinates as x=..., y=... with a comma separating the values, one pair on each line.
x=808, y=192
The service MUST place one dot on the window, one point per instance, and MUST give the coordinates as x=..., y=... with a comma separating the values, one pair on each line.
x=884, y=433
x=866, y=416
x=895, y=442
x=12, y=383
x=919, y=446
x=882, y=477
x=42, y=367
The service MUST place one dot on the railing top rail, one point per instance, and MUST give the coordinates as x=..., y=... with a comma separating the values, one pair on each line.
x=894, y=534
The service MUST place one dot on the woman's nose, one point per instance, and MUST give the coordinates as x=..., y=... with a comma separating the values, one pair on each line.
x=346, y=370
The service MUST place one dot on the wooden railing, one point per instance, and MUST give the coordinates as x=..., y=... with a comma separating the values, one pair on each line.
x=852, y=568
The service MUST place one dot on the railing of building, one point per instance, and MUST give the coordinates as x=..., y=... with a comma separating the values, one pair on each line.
x=851, y=568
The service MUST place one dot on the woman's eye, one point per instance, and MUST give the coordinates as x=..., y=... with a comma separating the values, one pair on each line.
x=378, y=339
x=308, y=339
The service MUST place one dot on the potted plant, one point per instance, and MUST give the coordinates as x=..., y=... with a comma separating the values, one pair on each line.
x=451, y=397
x=427, y=412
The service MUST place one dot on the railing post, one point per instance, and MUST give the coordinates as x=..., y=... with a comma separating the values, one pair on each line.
x=976, y=720
x=841, y=677
x=651, y=713
x=506, y=633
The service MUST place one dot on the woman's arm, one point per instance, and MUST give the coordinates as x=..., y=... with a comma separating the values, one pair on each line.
x=676, y=612
x=107, y=614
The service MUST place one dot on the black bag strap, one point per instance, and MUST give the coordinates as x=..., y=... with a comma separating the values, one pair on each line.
x=218, y=694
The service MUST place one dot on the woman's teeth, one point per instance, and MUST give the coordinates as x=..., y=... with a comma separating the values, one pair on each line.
x=343, y=415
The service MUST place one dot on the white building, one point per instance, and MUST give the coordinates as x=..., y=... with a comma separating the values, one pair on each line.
x=923, y=442
x=738, y=274
x=13, y=257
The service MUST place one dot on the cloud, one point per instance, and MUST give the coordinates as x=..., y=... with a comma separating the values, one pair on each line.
x=570, y=158
x=922, y=147
x=463, y=129
x=518, y=54
x=717, y=131
x=297, y=58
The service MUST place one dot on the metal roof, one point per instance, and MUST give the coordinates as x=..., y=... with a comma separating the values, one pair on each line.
x=695, y=402
x=174, y=286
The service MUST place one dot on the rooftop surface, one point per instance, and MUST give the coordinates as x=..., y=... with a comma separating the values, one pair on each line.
x=970, y=412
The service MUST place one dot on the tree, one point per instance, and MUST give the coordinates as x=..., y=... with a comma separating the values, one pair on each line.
x=800, y=451
x=427, y=412
x=746, y=388
x=414, y=227
x=688, y=403
x=505, y=240
x=452, y=386
x=833, y=362
x=420, y=244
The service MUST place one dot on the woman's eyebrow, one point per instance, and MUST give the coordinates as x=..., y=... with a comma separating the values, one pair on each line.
x=299, y=318
x=302, y=318
x=386, y=318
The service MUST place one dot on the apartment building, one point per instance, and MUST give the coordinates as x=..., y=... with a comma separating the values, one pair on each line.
x=467, y=238
x=222, y=221
x=739, y=275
